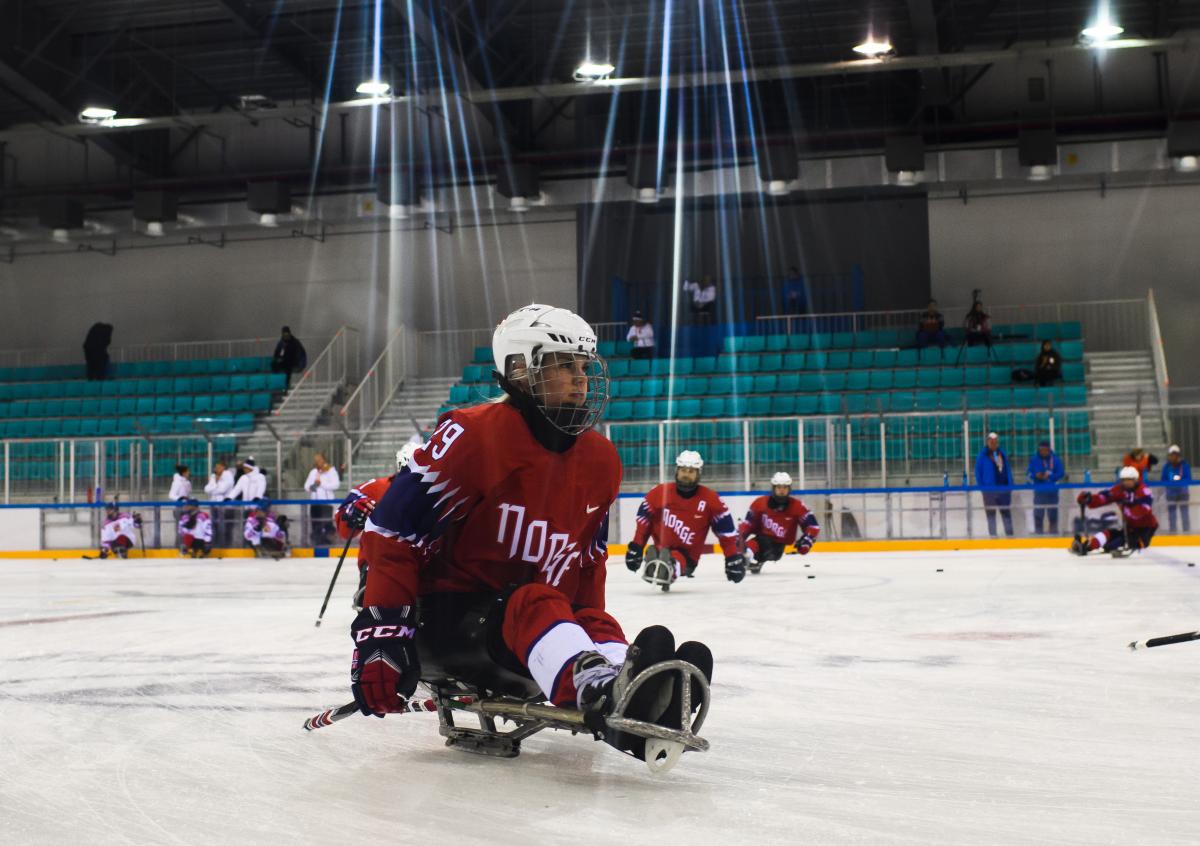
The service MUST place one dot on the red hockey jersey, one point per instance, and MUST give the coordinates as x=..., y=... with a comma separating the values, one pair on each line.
x=372, y=489
x=679, y=522
x=484, y=505
x=1135, y=505
x=780, y=526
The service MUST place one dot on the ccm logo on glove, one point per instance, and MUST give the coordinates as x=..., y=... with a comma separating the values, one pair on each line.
x=384, y=631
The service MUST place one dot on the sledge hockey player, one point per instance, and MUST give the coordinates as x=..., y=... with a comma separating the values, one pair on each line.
x=677, y=516
x=774, y=521
x=1134, y=500
x=494, y=543
x=118, y=532
x=351, y=516
x=265, y=532
x=195, y=530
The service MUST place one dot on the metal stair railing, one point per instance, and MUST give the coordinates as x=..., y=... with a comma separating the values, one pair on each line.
x=383, y=378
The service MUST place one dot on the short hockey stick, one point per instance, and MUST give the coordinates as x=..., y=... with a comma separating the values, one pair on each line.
x=1164, y=641
x=328, y=718
x=333, y=581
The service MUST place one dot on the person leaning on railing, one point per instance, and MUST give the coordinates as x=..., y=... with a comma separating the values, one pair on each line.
x=1045, y=471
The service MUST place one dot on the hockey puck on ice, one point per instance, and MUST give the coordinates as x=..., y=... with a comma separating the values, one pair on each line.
x=1191, y=564
x=939, y=569
x=812, y=577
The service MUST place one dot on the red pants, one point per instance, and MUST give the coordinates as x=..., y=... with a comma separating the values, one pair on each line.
x=546, y=634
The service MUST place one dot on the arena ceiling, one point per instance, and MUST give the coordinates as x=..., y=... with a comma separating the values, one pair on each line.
x=201, y=59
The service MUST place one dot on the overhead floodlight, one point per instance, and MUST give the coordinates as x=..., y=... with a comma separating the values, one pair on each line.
x=269, y=220
x=1101, y=31
x=518, y=204
x=874, y=48
x=590, y=71
x=778, y=188
x=397, y=212
x=1040, y=173
x=95, y=114
x=906, y=178
x=61, y=236
x=649, y=196
x=154, y=228
x=1186, y=164
x=373, y=88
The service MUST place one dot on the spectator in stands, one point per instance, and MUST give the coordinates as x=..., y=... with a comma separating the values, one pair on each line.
x=794, y=299
x=993, y=471
x=323, y=480
x=932, y=327
x=1176, y=476
x=1048, y=367
x=978, y=324
x=1044, y=473
x=95, y=350
x=289, y=356
x=641, y=335
x=704, y=299
x=181, y=484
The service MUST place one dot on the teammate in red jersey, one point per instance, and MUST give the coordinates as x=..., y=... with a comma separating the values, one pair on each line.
x=678, y=516
x=1135, y=501
x=774, y=522
x=497, y=536
x=351, y=516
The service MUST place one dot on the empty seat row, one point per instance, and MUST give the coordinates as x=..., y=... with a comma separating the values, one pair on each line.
x=199, y=366
x=872, y=338
x=72, y=427
x=842, y=403
x=273, y=382
x=181, y=404
x=224, y=445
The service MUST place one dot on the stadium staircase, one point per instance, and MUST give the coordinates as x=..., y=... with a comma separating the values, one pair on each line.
x=1119, y=384
x=417, y=403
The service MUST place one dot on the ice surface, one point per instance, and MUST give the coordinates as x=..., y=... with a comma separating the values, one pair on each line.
x=882, y=701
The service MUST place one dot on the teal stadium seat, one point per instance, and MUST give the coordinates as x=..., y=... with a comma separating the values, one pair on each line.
x=799, y=342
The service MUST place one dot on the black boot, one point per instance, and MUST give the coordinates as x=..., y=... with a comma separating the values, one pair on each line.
x=601, y=685
x=700, y=657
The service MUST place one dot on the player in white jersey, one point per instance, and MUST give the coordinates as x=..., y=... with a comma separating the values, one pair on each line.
x=118, y=532
x=195, y=531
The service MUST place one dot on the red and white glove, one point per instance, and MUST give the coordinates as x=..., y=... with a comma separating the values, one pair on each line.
x=804, y=545
x=356, y=513
x=1083, y=498
x=385, y=669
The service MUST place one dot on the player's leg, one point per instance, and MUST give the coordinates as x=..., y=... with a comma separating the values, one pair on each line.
x=990, y=513
x=1039, y=519
x=122, y=545
x=1185, y=518
x=1172, y=516
x=686, y=566
x=1006, y=516
x=1140, y=538
x=1052, y=518
x=540, y=628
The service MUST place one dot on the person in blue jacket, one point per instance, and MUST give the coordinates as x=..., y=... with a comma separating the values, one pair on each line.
x=1045, y=472
x=1177, y=475
x=993, y=471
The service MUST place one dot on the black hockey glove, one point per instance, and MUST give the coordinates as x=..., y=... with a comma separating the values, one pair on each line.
x=385, y=668
x=735, y=568
x=137, y=520
x=633, y=557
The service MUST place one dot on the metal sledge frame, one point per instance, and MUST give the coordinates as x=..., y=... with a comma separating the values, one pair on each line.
x=664, y=745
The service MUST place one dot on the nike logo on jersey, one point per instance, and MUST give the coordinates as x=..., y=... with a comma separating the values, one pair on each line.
x=592, y=508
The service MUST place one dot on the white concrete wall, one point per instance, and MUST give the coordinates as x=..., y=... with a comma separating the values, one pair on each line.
x=1061, y=247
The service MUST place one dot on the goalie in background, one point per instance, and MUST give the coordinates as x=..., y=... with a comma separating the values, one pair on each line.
x=774, y=522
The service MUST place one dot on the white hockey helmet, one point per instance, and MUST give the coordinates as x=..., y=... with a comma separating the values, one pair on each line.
x=781, y=478
x=689, y=458
x=405, y=454
x=1129, y=473
x=520, y=345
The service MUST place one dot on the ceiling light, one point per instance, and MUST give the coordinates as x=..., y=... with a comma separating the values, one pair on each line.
x=906, y=178
x=94, y=114
x=154, y=228
x=1040, y=173
x=1101, y=31
x=591, y=71
x=269, y=220
x=373, y=88
x=1186, y=164
x=62, y=236
x=873, y=49
x=397, y=212
x=778, y=188
x=518, y=204
x=647, y=195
